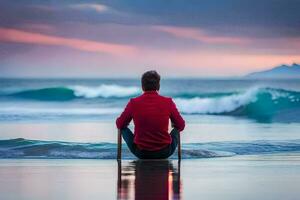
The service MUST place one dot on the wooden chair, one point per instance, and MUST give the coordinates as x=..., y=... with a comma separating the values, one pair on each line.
x=119, y=155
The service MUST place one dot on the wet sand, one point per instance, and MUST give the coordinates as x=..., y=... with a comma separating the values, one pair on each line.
x=267, y=177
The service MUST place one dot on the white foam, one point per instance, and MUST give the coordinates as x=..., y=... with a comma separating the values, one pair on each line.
x=104, y=91
x=58, y=111
x=80, y=154
x=199, y=105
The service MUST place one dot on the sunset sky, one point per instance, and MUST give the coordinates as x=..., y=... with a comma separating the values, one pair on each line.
x=199, y=38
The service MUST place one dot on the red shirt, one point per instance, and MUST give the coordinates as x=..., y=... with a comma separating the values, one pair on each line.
x=151, y=113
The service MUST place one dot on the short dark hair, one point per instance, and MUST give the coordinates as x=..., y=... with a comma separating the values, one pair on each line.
x=150, y=80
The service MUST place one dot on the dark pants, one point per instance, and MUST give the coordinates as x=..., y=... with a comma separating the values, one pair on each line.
x=143, y=154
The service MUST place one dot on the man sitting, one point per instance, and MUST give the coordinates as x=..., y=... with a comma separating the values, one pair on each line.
x=151, y=113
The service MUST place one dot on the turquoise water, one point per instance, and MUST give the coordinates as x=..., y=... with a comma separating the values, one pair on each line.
x=263, y=101
x=74, y=118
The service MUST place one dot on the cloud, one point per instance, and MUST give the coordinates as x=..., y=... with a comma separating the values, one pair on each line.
x=38, y=27
x=200, y=35
x=256, y=18
x=19, y=36
x=90, y=6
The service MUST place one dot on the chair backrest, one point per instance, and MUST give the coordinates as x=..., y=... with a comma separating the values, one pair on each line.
x=119, y=153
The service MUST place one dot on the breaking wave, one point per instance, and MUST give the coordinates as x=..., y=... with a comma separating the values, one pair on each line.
x=260, y=103
x=77, y=91
x=255, y=102
x=23, y=148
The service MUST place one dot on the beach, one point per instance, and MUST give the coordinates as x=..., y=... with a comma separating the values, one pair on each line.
x=58, y=141
x=212, y=85
x=268, y=177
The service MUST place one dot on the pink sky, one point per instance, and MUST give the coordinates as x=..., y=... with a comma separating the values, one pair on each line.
x=87, y=48
x=138, y=58
x=19, y=36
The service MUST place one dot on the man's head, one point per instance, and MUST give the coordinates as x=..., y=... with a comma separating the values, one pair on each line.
x=150, y=81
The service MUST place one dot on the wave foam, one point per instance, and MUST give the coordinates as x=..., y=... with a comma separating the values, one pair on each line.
x=66, y=93
x=257, y=97
x=58, y=111
x=216, y=105
x=104, y=91
x=22, y=148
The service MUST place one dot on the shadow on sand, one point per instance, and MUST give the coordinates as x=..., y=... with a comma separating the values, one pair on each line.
x=148, y=179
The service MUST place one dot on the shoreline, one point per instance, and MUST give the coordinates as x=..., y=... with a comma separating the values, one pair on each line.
x=228, y=177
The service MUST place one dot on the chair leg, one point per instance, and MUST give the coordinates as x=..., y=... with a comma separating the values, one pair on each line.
x=119, y=145
x=119, y=182
x=179, y=147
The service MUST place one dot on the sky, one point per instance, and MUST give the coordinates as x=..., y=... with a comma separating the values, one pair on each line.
x=186, y=38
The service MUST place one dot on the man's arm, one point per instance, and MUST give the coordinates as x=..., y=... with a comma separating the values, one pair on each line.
x=176, y=118
x=126, y=116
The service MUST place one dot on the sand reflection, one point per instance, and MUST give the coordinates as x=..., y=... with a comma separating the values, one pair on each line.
x=145, y=179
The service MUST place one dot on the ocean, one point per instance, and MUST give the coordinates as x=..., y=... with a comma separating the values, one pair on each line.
x=75, y=118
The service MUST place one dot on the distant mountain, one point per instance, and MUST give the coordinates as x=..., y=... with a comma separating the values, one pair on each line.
x=282, y=71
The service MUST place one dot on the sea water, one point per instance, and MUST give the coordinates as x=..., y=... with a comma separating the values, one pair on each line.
x=75, y=118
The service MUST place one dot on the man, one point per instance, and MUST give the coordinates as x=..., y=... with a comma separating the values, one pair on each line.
x=151, y=113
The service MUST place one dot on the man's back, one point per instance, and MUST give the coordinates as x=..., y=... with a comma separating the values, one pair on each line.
x=151, y=113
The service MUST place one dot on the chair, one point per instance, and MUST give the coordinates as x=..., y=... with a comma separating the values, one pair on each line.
x=119, y=153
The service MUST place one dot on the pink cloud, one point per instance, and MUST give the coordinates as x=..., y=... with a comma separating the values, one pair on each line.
x=200, y=35
x=19, y=36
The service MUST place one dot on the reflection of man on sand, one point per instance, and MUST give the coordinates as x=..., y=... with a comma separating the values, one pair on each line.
x=149, y=180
